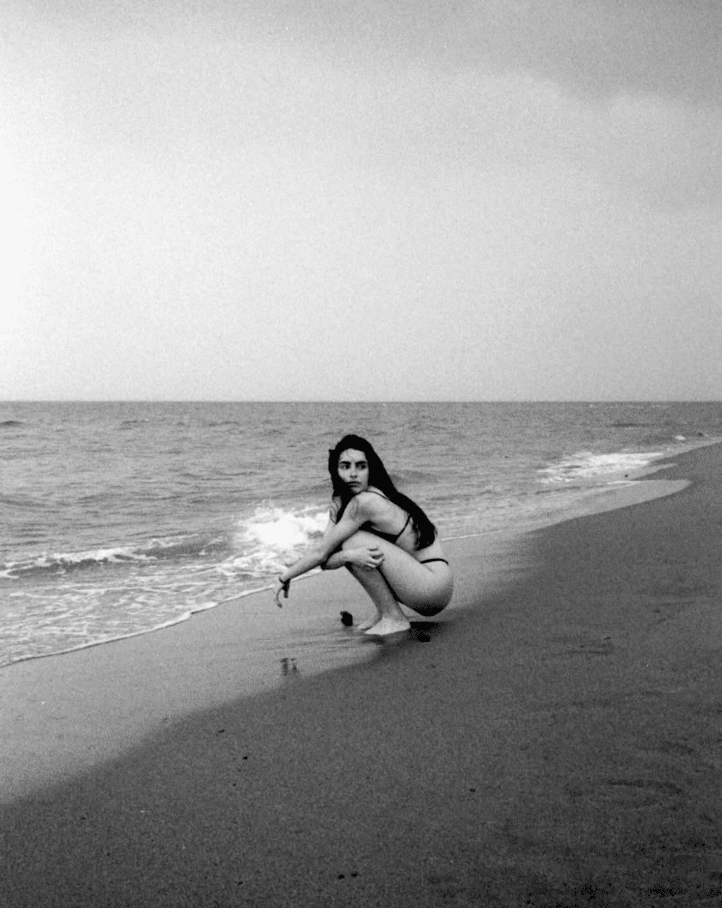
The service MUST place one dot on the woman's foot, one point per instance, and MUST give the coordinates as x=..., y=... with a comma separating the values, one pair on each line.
x=387, y=626
x=365, y=625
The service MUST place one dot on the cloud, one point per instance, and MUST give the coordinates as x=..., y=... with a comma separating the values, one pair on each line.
x=594, y=49
x=603, y=48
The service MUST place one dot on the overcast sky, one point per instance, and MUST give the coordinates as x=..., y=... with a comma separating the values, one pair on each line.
x=361, y=199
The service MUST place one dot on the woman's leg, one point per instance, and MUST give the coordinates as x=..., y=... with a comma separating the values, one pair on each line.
x=400, y=578
x=389, y=619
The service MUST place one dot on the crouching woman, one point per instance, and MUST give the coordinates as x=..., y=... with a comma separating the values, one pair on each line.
x=383, y=537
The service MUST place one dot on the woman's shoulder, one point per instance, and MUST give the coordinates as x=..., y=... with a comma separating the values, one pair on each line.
x=358, y=505
x=373, y=492
x=372, y=501
x=363, y=506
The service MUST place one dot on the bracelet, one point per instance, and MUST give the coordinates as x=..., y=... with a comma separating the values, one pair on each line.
x=285, y=586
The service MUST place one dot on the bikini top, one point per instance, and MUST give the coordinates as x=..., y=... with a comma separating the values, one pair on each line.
x=389, y=537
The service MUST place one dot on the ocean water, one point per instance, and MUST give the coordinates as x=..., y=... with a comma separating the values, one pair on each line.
x=122, y=518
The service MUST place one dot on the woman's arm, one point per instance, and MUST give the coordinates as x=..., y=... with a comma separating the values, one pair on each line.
x=366, y=556
x=334, y=560
x=334, y=536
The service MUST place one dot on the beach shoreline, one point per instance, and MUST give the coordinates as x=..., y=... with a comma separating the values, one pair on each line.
x=553, y=739
x=59, y=723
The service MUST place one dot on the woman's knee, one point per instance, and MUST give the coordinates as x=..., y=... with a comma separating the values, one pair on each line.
x=431, y=601
x=360, y=537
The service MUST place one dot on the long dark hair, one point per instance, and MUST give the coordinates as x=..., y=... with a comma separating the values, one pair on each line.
x=423, y=528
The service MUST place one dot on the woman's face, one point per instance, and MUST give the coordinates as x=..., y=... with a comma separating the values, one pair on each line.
x=353, y=469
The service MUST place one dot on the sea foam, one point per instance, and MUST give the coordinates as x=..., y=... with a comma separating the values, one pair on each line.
x=586, y=466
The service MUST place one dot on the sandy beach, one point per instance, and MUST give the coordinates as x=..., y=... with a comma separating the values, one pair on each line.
x=554, y=739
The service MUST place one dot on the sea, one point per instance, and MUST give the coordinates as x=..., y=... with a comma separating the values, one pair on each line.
x=120, y=519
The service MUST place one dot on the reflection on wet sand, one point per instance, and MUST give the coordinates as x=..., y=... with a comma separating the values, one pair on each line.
x=288, y=666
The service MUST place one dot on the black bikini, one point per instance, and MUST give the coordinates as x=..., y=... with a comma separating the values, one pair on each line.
x=390, y=537
x=393, y=538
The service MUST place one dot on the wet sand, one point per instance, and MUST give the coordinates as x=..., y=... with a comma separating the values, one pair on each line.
x=555, y=739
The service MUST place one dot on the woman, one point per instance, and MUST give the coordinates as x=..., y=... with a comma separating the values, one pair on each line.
x=384, y=539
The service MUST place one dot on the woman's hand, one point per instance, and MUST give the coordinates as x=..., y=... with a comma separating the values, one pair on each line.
x=367, y=556
x=279, y=587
